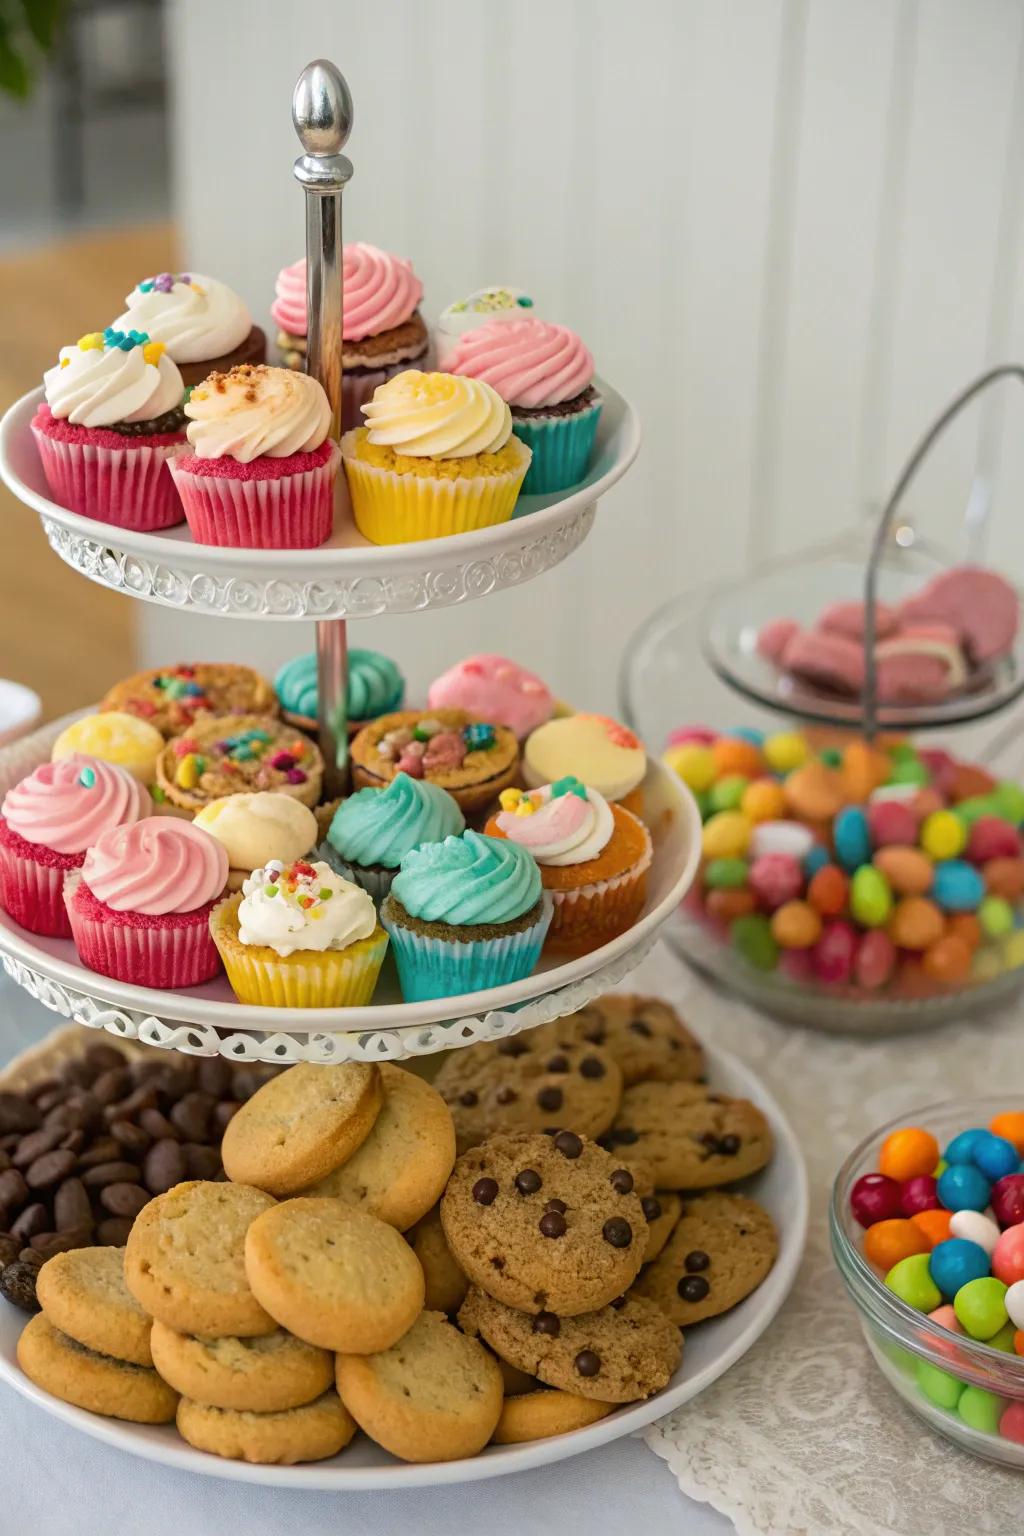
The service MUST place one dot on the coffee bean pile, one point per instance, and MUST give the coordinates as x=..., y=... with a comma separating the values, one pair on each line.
x=83, y=1151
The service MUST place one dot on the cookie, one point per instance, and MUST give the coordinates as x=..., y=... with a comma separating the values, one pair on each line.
x=472, y=759
x=616, y=1354
x=334, y=1276
x=645, y=1035
x=446, y=1283
x=530, y=1082
x=302, y=1125
x=236, y=753
x=262, y=1375
x=688, y=1137
x=83, y=1293
x=435, y=1395
x=75, y=1374
x=171, y=698
x=402, y=1167
x=542, y=1414
x=185, y=1259
x=662, y=1209
x=514, y=1381
x=720, y=1251
x=311, y=1433
x=545, y=1223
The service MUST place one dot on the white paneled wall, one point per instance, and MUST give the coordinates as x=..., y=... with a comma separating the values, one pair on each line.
x=789, y=230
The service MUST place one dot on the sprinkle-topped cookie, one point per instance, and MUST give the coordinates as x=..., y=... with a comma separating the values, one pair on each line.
x=170, y=698
x=230, y=754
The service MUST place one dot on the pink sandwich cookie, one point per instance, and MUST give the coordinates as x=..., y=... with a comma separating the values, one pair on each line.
x=47, y=822
x=494, y=688
x=140, y=906
x=979, y=605
x=111, y=419
x=259, y=468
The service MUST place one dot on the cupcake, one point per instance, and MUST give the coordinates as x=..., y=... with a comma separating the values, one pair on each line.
x=465, y=915
x=382, y=330
x=374, y=829
x=299, y=936
x=480, y=308
x=593, y=859
x=545, y=373
x=603, y=754
x=46, y=824
x=436, y=458
x=203, y=323
x=140, y=905
x=110, y=421
x=259, y=468
x=257, y=829
x=375, y=687
x=494, y=688
x=115, y=737
x=236, y=754
x=472, y=759
x=170, y=698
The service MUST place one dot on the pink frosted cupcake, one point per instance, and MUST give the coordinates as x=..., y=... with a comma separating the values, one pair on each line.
x=140, y=907
x=494, y=688
x=111, y=419
x=382, y=328
x=46, y=824
x=258, y=472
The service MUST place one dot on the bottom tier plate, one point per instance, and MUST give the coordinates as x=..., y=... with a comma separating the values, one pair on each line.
x=711, y=1348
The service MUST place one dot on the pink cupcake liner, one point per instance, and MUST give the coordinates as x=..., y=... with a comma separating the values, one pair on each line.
x=128, y=487
x=168, y=952
x=291, y=511
x=32, y=885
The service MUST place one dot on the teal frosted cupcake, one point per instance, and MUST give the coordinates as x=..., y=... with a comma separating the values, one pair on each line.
x=374, y=829
x=465, y=915
x=375, y=687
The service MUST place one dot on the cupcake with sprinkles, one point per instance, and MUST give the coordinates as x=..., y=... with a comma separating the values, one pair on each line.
x=111, y=417
x=237, y=754
x=479, y=308
x=300, y=936
x=382, y=328
x=202, y=323
x=375, y=687
x=374, y=829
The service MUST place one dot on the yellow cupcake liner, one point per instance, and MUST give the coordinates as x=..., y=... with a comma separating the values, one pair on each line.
x=390, y=508
x=341, y=978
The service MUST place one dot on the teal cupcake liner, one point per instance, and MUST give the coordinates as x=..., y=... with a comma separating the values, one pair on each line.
x=561, y=446
x=375, y=882
x=429, y=967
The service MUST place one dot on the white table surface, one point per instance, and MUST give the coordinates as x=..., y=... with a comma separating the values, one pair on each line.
x=65, y=1484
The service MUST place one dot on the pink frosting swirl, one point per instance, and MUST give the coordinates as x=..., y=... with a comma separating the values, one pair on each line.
x=381, y=291
x=67, y=805
x=495, y=689
x=157, y=866
x=531, y=363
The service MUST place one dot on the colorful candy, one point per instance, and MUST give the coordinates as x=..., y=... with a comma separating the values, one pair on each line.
x=875, y=1198
x=870, y=897
x=912, y=1282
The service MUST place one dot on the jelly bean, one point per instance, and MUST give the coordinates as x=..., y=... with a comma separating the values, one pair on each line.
x=890, y=821
x=703, y=803
x=1008, y=1200
x=686, y=733
x=1014, y=1300
x=763, y=800
x=938, y=762
x=1011, y=1424
x=828, y=890
x=957, y=886
x=776, y=878
x=993, y=838
x=726, y=835
x=815, y=791
x=817, y=858
x=910, y=771
x=785, y=750
x=727, y=794
x=727, y=906
x=934, y=1223
x=863, y=770
x=875, y=1198
x=1018, y=1342
x=943, y=835
x=926, y=802
x=986, y=965
x=1004, y=877
x=961, y=1148
x=916, y=923
x=980, y=1306
x=1010, y=1123
x=1009, y=801
x=909, y=871
x=870, y=897
x=975, y=1228
x=694, y=763
x=781, y=837
x=995, y=1156
x=966, y=927
x=970, y=811
x=911, y=1281
x=832, y=956
x=795, y=925
x=996, y=917
x=963, y=1187
x=937, y=1385
x=948, y=960
x=908, y=1153
x=1003, y=1339
x=1012, y=950
x=797, y=965
x=968, y=781
x=752, y=937
x=946, y=1317
x=748, y=733
x=831, y=757
x=850, y=837
x=956, y=1262
x=887, y=1242
x=725, y=874
x=980, y=1409
x=918, y=1194
x=733, y=755
x=905, y=793
x=875, y=960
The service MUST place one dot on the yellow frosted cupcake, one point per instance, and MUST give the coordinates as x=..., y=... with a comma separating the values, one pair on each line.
x=114, y=737
x=256, y=828
x=437, y=457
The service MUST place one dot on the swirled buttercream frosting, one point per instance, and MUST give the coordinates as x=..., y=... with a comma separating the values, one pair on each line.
x=436, y=415
x=256, y=410
x=288, y=907
x=531, y=363
x=156, y=867
x=468, y=879
x=195, y=317
x=112, y=376
x=380, y=826
x=381, y=291
x=68, y=805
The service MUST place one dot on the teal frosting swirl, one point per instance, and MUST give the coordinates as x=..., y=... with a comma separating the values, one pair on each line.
x=375, y=685
x=380, y=826
x=468, y=879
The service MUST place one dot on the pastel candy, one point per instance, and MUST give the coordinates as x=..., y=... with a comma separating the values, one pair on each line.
x=991, y=837
x=909, y=871
x=1008, y=1256
x=905, y=792
x=980, y=1306
x=785, y=750
x=891, y=821
x=727, y=794
x=1004, y=877
x=752, y=937
x=726, y=835
x=815, y=791
x=796, y=925
x=957, y=887
x=694, y=762
x=790, y=837
x=763, y=800
x=875, y=960
x=943, y=835
x=851, y=838
x=975, y=1227
x=832, y=956
x=1009, y=800
x=948, y=960
x=725, y=874
x=776, y=878
x=916, y=923
x=870, y=897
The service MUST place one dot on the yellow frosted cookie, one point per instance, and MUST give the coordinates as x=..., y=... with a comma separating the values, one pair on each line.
x=115, y=737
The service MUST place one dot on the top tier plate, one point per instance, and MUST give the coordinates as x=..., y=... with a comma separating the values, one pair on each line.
x=346, y=578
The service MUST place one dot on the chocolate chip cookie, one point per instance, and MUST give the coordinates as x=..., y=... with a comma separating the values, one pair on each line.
x=662, y=1210
x=545, y=1222
x=530, y=1082
x=446, y=1285
x=645, y=1035
x=616, y=1354
x=720, y=1251
x=689, y=1137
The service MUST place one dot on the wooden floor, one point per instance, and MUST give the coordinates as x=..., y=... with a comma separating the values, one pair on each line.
x=62, y=635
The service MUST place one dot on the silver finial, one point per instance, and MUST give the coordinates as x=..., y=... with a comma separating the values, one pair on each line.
x=322, y=109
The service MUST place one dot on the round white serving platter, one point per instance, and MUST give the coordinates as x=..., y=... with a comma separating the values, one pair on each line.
x=710, y=1349
x=346, y=578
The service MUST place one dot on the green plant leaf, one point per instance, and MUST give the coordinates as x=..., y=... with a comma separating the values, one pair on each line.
x=41, y=18
x=15, y=77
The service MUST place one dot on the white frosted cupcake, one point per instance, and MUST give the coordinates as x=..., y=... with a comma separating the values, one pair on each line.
x=203, y=323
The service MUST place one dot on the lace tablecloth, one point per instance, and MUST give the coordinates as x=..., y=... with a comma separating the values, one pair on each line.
x=803, y=1437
